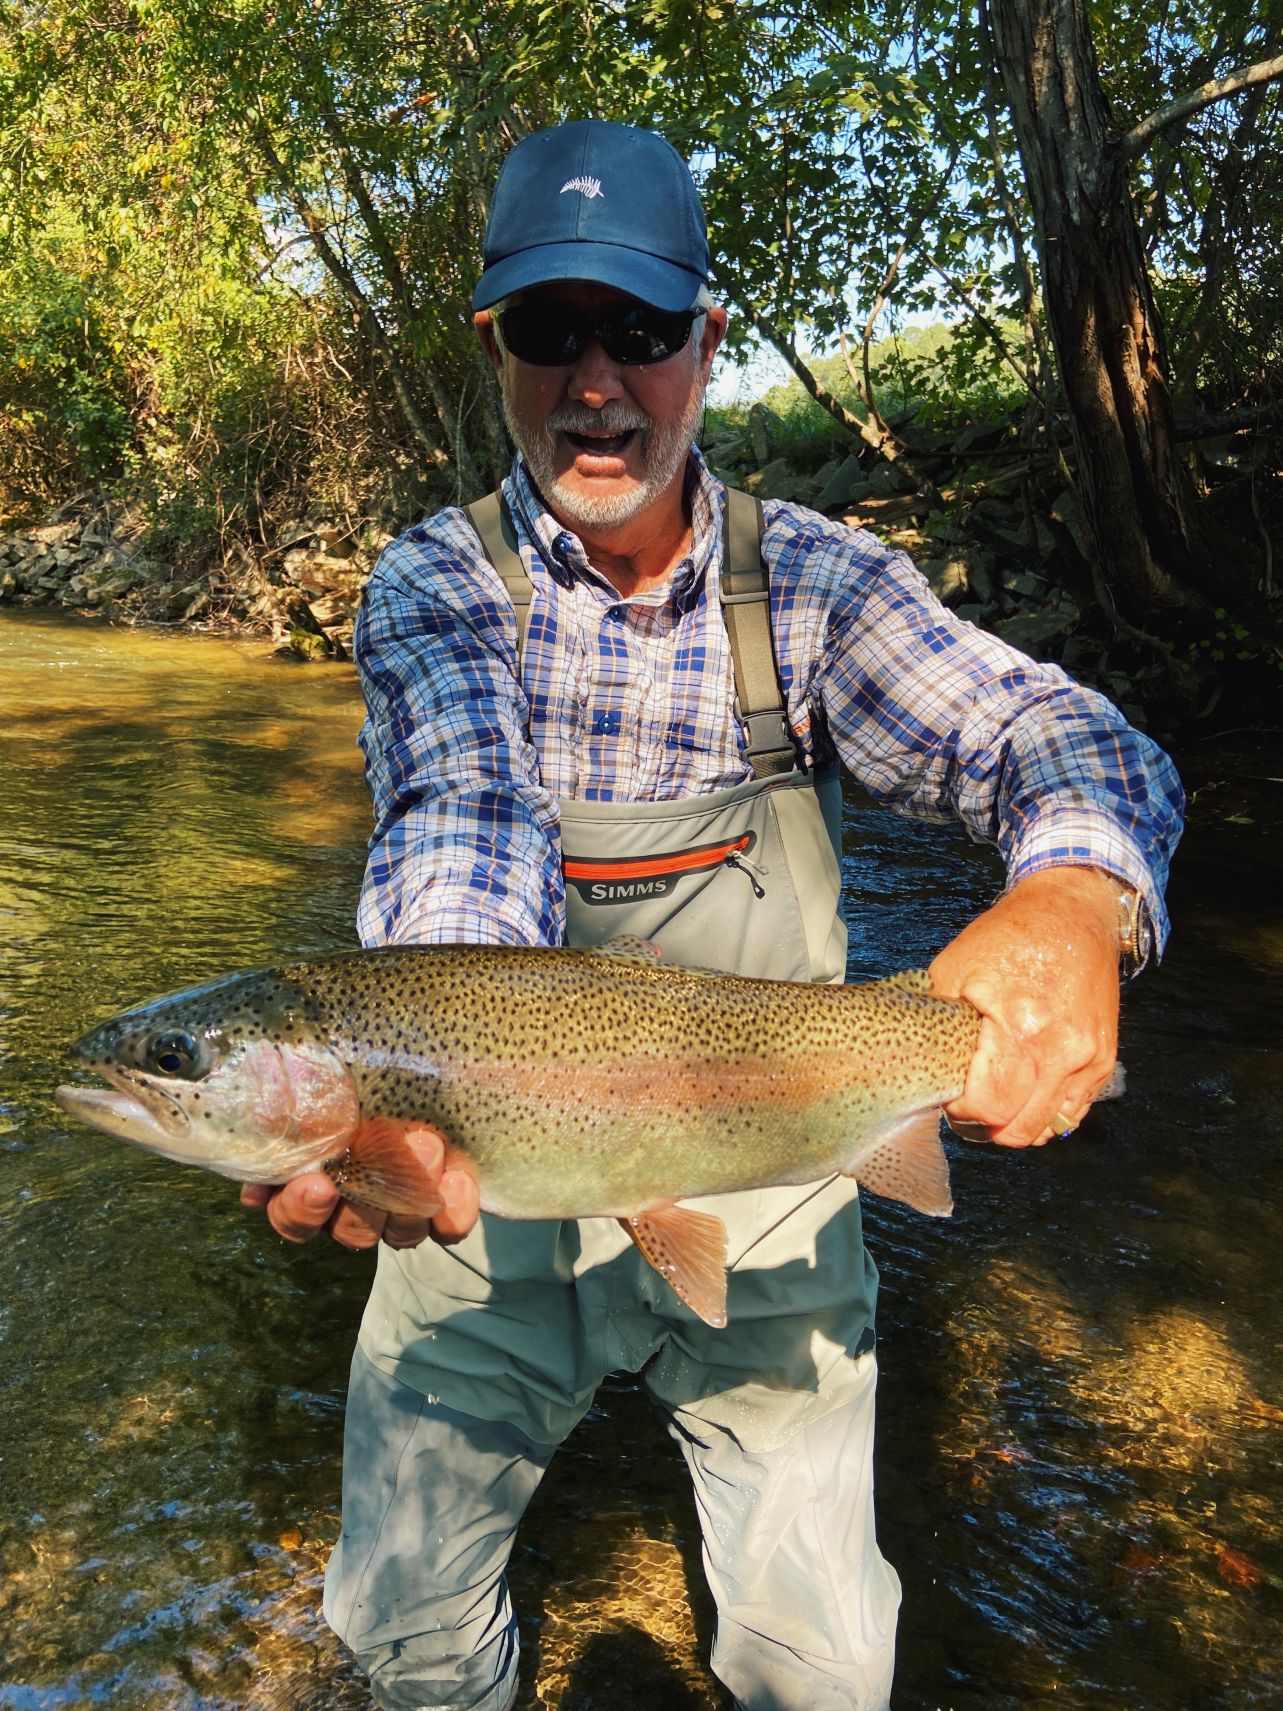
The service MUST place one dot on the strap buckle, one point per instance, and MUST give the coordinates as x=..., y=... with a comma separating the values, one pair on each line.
x=770, y=748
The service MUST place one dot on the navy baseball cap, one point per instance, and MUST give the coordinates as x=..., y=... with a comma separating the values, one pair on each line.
x=598, y=201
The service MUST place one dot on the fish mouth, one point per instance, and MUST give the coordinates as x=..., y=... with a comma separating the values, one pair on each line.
x=132, y=1108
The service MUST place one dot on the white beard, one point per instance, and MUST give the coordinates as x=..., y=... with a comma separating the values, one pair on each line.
x=664, y=447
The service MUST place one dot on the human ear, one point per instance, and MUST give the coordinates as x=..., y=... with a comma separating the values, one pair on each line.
x=483, y=321
x=714, y=332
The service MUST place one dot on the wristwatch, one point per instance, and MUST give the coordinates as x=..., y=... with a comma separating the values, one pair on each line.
x=1135, y=933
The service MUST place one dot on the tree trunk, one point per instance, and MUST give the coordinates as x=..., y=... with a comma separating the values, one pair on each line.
x=1134, y=491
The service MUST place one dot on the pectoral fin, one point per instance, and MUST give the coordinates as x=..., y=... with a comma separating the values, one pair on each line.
x=383, y=1168
x=688, y=1249
x=908, y=1164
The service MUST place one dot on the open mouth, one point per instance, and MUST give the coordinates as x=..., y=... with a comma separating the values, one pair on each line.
x=602, y=445
x=131, y=1107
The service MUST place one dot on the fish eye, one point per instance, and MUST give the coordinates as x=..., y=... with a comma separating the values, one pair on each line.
x=175, y=1052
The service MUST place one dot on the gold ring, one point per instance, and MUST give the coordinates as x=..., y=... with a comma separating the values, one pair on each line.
x=1061, y=1125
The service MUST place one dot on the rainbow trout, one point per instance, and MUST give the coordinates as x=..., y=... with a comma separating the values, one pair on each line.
x=573, y=1083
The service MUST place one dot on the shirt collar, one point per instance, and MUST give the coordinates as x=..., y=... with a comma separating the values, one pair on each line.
x=563, y=552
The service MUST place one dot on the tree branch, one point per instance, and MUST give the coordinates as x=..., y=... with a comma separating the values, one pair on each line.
x=1192, y=101
x=873, y=435
x=879, y=303
x=402, y=296
x=991, y=332
x=822, y=396
x=360, y=304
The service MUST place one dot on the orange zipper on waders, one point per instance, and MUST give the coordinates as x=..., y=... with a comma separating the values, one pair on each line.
x=604, y=880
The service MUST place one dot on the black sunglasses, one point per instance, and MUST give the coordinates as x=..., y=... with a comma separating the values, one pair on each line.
x=551, y=334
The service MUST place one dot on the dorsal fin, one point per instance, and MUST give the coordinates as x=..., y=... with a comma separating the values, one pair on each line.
x=629, y=947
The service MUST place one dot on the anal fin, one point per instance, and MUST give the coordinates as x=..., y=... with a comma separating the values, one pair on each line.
x=688, y=1250
x=908, y=1163
x=384, y=1167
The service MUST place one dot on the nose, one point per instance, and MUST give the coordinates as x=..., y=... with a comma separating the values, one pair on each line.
x=595, y=379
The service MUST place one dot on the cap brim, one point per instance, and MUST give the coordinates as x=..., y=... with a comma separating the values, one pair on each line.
x=660, y=283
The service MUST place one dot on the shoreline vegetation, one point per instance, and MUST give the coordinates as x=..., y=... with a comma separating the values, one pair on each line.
x=1020, y=262
x=983, y=511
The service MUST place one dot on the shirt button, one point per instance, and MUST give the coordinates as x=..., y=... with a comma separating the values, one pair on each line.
x=616, y=613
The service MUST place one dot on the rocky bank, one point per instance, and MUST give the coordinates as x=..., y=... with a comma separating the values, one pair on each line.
x=998, y=553
x=94, y=559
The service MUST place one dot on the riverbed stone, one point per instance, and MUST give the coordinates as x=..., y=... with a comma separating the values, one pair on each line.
x=1031, y=632
x=886, y=481
x=779, y=480
x=109, y=582
x=843, y=485
x=763, y=429
x=949, y=578
x=185, y=602
x=308, y=645
x=1025, y=584
x=53, y=534
x=316, y=572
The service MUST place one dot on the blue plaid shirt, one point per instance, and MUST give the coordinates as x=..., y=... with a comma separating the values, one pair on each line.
x=467, y=752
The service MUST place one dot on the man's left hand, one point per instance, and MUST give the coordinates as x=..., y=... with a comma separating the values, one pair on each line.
x=1041, y=966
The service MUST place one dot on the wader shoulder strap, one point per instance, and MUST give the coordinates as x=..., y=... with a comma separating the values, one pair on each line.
x=490, y=518
x=746, y=611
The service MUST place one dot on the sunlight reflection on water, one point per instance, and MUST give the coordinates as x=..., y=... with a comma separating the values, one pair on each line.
x=1079, y=1470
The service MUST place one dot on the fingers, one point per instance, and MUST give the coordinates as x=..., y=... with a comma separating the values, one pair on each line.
x=1041, y=967
x=1054, y=1105
x=357, y=1227
x=462, y=1205
x=308, y=1204
x=304, y=1207
x=1000, y=1083
x=1023, y=1094
x=1058, y=1104
x=300, y=1210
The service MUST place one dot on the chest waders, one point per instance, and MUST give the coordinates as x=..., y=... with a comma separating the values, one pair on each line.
x=745, y=879
x=453, y=1413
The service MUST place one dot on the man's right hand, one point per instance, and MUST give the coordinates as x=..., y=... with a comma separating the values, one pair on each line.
x=308, y=1204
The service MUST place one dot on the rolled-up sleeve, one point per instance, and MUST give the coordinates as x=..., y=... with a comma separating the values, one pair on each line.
x=945, y=721
x=465, y=845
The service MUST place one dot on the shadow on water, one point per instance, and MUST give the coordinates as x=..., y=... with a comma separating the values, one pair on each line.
x=1078, y=1463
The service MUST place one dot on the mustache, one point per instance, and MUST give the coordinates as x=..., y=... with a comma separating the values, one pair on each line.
x=609, y=419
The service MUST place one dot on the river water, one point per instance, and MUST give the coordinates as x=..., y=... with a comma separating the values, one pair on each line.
x=1079, y=1467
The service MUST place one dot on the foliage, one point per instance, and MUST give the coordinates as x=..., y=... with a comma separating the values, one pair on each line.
x=924, y=377
x=67, y=395
x=238, y=237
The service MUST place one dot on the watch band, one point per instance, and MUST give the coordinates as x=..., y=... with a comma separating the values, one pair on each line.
x=1135, y=933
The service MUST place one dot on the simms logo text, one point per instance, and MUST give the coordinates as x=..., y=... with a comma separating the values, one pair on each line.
x=622, y=890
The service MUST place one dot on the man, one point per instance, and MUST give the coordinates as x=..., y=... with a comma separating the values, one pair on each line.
x=586, y=699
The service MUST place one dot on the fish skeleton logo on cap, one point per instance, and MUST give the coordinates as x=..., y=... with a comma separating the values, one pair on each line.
x=586, y=186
